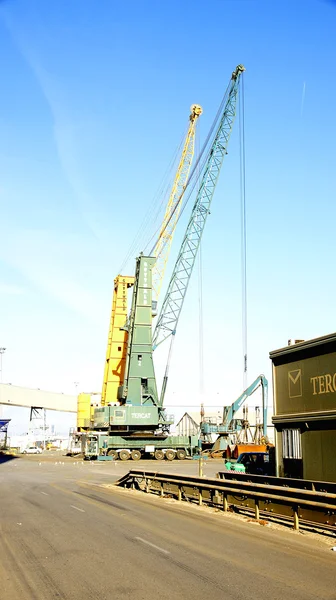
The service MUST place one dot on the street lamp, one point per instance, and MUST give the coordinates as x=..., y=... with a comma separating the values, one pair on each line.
x=2, y=351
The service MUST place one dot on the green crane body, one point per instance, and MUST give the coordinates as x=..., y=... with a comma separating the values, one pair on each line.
x=137, y=408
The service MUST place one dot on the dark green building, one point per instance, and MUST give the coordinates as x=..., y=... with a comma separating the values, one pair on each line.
x=304, y=401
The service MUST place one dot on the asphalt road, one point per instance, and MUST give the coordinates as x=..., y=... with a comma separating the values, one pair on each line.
x=63, y=535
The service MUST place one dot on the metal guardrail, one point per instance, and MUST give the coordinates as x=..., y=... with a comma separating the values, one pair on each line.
x=303, y=484
x=301, y=506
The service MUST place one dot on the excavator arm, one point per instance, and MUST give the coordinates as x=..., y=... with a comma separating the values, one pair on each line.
x=229, y=412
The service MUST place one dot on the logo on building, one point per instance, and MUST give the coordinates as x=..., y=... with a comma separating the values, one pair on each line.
x=324, y=384
x=294, y=383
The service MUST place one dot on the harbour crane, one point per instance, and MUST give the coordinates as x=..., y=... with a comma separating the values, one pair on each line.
x=138, y=425
x=118, y=334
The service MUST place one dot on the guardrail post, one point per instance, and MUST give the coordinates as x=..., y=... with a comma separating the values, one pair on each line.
x=256, y=502
x=200, y=465
x=179, y=493
x=296, y=518
x=225, y=502
x=200, y=497
x=133, y=484
x=147, y=486
x=161, y=489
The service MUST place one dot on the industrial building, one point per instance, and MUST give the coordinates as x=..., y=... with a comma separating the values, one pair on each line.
x=304, y=398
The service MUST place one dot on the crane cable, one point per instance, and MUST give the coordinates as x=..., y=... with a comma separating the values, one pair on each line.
x=243, y=230
x=200, y=310
x=199, y=164
x=152, y=215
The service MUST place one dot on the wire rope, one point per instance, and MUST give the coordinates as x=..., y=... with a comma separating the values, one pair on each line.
x=154, y=208
x=200, y=312
x=243, y=231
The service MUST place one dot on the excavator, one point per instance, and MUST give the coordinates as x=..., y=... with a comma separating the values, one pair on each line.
x=131, y=421
x=233, y=433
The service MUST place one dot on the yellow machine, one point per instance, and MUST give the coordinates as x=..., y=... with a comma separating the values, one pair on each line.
x=83, y=410
x=86, y=403
x=117, y=341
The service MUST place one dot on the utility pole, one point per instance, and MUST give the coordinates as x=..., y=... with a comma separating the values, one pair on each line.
x=44, y=428
x=2, y=351
x=200, y=459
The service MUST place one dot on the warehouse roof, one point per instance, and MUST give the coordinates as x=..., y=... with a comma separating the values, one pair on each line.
x=321, y=345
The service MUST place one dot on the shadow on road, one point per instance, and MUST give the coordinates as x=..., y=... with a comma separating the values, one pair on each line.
x=6, y=457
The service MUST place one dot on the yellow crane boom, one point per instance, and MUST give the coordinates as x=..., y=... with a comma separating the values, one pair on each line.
x=162, y=248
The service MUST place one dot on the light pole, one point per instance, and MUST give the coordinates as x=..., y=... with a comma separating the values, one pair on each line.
x=2, y=351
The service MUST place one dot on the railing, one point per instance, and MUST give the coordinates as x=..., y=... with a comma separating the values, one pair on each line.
x=303, y=484
x=271, y=502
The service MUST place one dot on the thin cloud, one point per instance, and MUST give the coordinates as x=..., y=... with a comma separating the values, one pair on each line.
x=52, y=266
x=63, y=125
x=12, y=290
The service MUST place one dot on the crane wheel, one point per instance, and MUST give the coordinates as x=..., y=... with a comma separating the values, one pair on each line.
x=135, y=455
x=159, y=454
x=124, y=455
x=181, y=454
x=113, y=453
x=170, y=455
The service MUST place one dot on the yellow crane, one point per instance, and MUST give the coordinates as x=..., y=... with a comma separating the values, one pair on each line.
x=118, y=335
x=117, y=340
x=162, y=247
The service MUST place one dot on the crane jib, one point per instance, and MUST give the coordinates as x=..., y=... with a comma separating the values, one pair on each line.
x=172, y=305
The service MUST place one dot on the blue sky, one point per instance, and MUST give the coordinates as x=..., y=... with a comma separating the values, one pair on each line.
x=95, y=100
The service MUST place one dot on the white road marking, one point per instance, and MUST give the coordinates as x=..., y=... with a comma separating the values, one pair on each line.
x=152, y=545
x=76, y=508
x=44, y=493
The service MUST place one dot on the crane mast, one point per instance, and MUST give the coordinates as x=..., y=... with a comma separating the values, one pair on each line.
x=163, y=244
x=178, y=285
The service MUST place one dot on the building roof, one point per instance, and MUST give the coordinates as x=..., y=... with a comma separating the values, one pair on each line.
x=195, y=416
x=316, y=346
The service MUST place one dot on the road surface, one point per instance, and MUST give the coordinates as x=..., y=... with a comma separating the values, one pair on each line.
x=63, y=535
